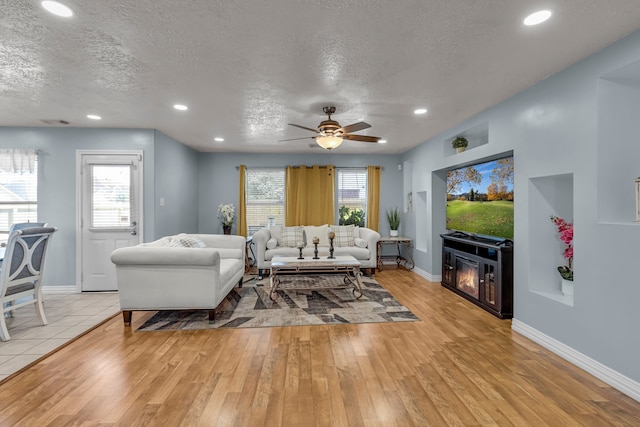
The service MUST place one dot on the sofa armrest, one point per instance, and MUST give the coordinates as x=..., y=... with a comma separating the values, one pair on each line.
x=223, y=241
x=260, y=239
x=372, y=238
x=134, y=255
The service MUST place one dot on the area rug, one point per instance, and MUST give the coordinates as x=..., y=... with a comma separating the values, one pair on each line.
x=251, y=307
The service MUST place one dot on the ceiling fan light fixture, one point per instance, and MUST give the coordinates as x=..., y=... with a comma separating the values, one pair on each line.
x=329, y=142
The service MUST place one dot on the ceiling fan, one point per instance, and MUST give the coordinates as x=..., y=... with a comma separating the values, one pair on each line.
x=331, y=134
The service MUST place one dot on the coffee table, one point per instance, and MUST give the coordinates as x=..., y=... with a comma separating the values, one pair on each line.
x=281, y=265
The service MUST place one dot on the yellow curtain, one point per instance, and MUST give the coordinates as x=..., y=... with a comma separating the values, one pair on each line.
x=373, y=197
x=310, y=195
x=242, y=203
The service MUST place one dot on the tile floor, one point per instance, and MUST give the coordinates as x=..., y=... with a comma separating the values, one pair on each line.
x=68, y=315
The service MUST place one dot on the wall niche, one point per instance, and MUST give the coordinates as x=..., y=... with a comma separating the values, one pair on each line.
x=477, y=135
x=618, y=130
x=548, y=195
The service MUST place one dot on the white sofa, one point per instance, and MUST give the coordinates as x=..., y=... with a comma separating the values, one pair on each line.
x=166, y=275
x=366, y=238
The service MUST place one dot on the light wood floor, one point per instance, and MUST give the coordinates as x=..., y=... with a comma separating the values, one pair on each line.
x=458, y=366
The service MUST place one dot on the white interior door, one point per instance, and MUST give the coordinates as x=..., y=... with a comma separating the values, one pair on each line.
x=111, y=214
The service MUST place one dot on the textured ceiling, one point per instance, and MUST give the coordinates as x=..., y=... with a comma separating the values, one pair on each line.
x=247, y=68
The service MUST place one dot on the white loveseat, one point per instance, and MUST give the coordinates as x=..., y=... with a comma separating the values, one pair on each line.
x=179, y=272
x=270, y=242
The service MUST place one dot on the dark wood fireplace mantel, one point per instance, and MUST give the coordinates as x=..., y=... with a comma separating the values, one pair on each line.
x=480, y=270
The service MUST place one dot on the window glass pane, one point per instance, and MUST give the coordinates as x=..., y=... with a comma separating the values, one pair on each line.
x=265, y=198
x=352, y=196
x=110, y=196
x=18, y=194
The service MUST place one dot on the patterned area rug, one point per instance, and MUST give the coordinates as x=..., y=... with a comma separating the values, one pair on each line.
x=251, y=307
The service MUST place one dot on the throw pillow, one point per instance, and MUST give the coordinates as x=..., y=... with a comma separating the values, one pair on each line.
x=276, y=233
x=272, y=243
x=175, y=243
x=344, y=235
x=321, y=232
x=361, y=243
x=291, y=237
x=187, y=242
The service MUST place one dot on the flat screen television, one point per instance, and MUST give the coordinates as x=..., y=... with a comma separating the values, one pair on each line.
x=480, y=199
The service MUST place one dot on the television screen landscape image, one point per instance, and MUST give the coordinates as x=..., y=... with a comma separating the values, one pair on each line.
x=480, y=199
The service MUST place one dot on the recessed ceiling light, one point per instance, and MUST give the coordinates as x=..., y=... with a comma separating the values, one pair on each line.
x=420, y=111
x=180, y=107
x=537, y=18
x=94, y=117
x=382, y=141
x=57, y=8
x=218, y=139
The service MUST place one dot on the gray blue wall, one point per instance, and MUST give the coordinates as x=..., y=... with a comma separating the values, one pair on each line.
x=219, y=179
x=57, y=182
x=575, y=141
x=176, y=181
x=169, y=171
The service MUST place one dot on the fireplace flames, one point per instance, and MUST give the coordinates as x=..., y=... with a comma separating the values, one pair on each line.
x=467, y=277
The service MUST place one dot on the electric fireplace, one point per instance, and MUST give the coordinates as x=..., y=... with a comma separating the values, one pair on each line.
x=480, y=270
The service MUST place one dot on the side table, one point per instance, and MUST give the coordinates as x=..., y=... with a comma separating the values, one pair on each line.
x=402, y=260
x=249, y=261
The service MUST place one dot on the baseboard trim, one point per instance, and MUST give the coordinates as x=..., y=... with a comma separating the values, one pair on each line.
x=59, y=290
x=614, y=378
x=430, y=277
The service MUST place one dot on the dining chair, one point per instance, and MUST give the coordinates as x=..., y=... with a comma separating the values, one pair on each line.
x=21, y=272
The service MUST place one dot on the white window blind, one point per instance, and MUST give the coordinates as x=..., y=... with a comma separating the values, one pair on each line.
x=18, y=188
x=111, y=201
x=265, y=195
x=352, y=196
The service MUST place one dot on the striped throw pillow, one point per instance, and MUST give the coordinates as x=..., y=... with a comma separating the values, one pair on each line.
x=291, y=237
x=344, y=235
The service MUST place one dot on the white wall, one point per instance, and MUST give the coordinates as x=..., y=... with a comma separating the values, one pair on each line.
x=575, y=136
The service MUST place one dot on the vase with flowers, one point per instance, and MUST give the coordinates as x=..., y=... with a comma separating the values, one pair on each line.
x=226, y=214
x=565, y=230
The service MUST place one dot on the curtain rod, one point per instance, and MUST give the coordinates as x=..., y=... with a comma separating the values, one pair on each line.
x=284, y=167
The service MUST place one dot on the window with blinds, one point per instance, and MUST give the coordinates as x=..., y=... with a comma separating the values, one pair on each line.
x=264, y=198
x=18, y=189
x=111, y=201
x=352, y=196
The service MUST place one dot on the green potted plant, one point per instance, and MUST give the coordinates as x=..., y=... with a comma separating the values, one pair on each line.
x=393, y=217
x=460, y=143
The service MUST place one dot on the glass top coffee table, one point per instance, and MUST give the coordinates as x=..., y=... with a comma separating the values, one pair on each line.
x=281, y=265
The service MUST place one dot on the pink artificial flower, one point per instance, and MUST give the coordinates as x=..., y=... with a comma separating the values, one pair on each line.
x=567, y=236
x=568, y=252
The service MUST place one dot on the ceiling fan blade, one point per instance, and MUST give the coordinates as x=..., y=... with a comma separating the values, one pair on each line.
x=303, y=127
x=355, y=127
x=363, y=138
x=296, y=139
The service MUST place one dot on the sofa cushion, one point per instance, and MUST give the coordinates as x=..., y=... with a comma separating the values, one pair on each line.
x=344, y=235
x=291, y=237
x=354, y=251
x=321, y=232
